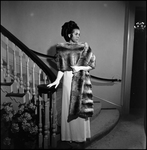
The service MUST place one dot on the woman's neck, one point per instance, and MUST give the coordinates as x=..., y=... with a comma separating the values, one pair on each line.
x=71, y=42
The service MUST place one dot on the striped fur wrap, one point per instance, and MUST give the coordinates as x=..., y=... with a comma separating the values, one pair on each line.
x=81, y=103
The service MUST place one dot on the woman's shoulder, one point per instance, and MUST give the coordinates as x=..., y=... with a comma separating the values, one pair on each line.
x=86, y=44
x=71, y=45
x=60, y=44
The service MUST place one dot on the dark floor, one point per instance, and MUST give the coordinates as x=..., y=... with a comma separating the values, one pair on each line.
x=129, y=133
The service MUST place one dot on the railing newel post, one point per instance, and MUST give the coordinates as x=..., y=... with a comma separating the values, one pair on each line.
x=47, y=94
x=40, y=136
x=54, y=121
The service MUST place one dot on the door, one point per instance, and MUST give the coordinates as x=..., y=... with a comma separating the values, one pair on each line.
x=138, y=85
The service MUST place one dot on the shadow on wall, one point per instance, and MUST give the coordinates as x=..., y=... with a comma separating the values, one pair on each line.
x=51, y=61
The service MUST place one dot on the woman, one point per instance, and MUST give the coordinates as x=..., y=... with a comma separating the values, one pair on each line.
x=74, y=60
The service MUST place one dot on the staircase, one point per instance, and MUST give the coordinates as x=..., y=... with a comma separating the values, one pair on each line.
x=22, y=71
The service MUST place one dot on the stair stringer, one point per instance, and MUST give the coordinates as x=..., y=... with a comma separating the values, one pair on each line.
x=106, y=104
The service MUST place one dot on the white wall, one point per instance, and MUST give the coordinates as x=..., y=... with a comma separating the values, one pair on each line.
x=38, y=25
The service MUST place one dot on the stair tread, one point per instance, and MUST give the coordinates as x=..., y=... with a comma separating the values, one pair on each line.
x=15, y=94
x=103, y=123
x=104, y=120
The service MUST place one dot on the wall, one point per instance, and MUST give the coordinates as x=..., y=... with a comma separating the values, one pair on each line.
x=38, y=25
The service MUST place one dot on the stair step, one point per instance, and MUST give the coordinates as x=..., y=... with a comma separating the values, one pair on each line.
x=15, y=94
x=6, y=83
x=103, y=124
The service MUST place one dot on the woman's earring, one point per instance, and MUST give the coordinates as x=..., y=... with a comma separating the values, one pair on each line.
x=69, y=35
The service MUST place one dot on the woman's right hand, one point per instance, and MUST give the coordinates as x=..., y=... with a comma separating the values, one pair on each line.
x=56, y=83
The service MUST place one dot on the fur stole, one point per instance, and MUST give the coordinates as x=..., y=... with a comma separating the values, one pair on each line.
x=81, y=103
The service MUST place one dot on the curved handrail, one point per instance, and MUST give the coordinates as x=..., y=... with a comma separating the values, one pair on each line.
x=43, y=55
x=105, y=79
x=29, y=53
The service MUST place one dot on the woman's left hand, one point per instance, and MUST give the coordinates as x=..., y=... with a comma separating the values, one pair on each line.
x=75, y=68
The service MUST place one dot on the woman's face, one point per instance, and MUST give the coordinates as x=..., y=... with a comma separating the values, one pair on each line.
x=75, y=36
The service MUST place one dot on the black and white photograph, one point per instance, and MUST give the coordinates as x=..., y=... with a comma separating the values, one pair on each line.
x=73, y=75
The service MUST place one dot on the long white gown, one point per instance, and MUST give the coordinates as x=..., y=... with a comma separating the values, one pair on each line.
x=77, y=130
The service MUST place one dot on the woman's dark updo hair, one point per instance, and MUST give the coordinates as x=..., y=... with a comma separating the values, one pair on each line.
x=68, y=28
